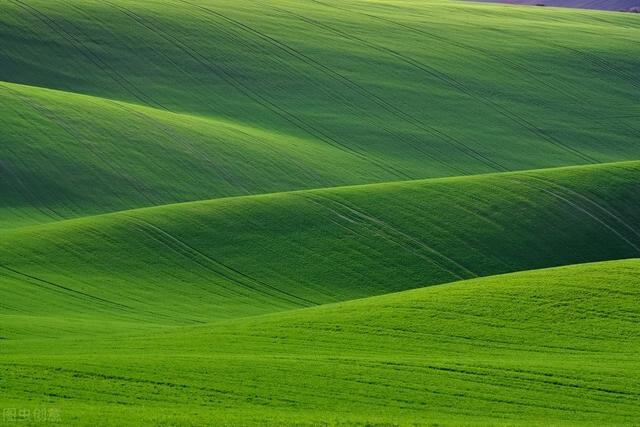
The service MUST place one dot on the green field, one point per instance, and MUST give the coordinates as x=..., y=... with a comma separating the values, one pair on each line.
x=548, y=347
x=196, y=100
x=318, y=213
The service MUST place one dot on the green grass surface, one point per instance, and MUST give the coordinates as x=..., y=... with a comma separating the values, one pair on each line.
x=88, y=155
x=303, y=212
x=250, y=255
x=548, y=347
x=248, y=97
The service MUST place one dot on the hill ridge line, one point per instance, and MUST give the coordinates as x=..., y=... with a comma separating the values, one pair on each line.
x=198, y=324
x=435, y=287
x=150, y=108
x=322, y=189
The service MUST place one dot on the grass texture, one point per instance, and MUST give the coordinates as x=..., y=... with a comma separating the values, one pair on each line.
x=112, y=105
x=547, y=347
x=318, y=213
x=240, y=256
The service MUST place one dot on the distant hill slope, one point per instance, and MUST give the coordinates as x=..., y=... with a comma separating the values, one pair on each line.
x=617, y=5
x=66, y=155
x=226, y=258
x=196, y=100
x=552, y=347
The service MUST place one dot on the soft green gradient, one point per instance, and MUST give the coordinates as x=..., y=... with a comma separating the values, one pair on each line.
x=548, y=347
x=249, y=255
x=318, y=212
x=250, y=97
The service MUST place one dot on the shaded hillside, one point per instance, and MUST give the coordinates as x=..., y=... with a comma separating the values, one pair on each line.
x=245, y=98
x=250, y=255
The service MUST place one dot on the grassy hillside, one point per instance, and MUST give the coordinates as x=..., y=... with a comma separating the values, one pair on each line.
x=318, y=212
x=244, y=98
x=66, y=155
x=250, y=255
x=549, y=347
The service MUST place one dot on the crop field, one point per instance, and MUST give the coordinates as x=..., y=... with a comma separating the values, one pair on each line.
x=318, y=213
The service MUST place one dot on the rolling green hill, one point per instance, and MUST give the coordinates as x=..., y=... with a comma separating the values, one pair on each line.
x=549, y=347
x=242, y=256
x=89, y=155
x=243, y=98
x=318, y=213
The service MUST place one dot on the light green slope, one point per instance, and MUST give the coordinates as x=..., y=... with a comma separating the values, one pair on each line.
x=250, y=97
x=550, y=347
x=66, y=155
x=242, y=256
